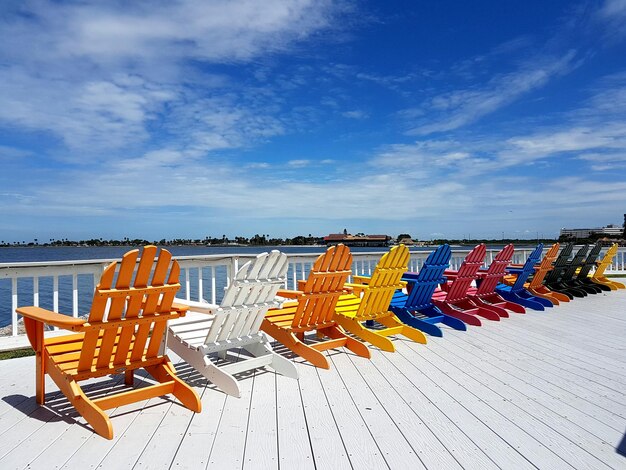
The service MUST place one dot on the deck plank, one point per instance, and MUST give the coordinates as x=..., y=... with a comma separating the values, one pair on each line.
x=294, y=445
x=540, y=390
x=395, y=448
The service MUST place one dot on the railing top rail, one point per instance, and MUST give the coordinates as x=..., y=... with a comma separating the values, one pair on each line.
x=215, y=257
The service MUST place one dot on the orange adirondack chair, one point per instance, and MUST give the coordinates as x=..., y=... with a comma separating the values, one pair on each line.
x=370, y=301
x=536, y=286
x=313, y=310
x=123, y=333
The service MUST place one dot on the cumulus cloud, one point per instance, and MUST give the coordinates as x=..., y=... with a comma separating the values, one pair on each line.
x=107, y=75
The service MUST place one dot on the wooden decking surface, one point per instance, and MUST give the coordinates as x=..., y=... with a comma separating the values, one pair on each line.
x=540, y=390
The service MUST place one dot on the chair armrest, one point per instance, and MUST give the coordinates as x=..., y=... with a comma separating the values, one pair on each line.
x=184, y=305
x=481, y=273
x=355, y=289
x=52, y=318
x=410, y=276
x=289, y=294
x=361, y=279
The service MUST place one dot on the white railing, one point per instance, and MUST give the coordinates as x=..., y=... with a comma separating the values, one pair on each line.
x=67, y=286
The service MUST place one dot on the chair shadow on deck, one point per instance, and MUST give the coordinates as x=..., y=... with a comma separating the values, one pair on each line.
x=621, y=448
x=194, y=378
x=310, y=339
x=58, y=408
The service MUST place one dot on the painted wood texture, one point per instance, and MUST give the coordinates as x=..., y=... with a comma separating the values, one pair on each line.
x=599, y=277
x=485, y=294
x=514, y=287
x=415, y=307
x=131, y=306
x=312, y=311
x=209, y=330
x=365, y=311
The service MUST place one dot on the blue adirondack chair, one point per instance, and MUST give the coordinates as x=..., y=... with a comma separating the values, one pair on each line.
x=416, y=309
x=516, y=292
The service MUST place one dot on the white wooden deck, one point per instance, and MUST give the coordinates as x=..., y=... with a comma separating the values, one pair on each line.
x=541, y=390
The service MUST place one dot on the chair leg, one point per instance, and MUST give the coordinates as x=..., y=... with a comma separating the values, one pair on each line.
x=454, y=323
x=356, y=328
x=203, y=364
x=406, y=317
x=40, y=375
x=129, y=377
x=291, y=341
x=392, y=321
x=34, y=331
x=165, y=372
x=94, y=415
x=482, y=306
x=484, y=312
x=279, y=363
x=356, y=346
x=458, y=313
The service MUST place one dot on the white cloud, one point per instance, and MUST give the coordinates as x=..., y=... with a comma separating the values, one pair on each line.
x=458, y=108
x=612, y=16
x=111, y=75
x=355, y=114
x=117, y=31
x=299, y=163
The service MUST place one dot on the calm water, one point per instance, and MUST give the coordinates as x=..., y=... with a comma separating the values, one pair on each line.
x=85, y=282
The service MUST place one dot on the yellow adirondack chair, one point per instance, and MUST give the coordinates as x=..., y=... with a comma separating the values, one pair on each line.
x=313, y=310
x=123, y=333
x=598, y=275
x=370, y=301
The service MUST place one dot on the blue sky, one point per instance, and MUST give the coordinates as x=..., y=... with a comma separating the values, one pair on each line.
x=165, y=119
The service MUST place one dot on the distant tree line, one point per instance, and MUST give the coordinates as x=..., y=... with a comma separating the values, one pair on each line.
x=255, y=240
x=267, y=240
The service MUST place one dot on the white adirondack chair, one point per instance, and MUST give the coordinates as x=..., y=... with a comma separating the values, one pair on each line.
x=209, y=328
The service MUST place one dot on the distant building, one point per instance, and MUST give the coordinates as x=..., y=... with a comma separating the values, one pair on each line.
x=357, y=240
x=610, y=230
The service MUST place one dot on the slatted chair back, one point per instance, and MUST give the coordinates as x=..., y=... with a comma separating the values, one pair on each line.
x=496, y=270
x=385, y=280
x=527, y=269
x=249, y=295
x=606, y=261
x=428, y=278
x=129, y=313
x=560, y=264
x=322, y=289
x=590, y=261
x=576, y=263
x=545, y=267
x=466, y=273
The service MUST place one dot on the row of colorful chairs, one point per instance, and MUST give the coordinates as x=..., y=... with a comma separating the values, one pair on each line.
x=135, y=315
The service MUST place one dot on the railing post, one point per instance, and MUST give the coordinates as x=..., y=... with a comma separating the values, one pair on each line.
x=14, y=306
x=75, y=295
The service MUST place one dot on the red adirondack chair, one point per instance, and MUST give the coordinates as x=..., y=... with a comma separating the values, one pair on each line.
x=485, y=294
x=453, y=299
